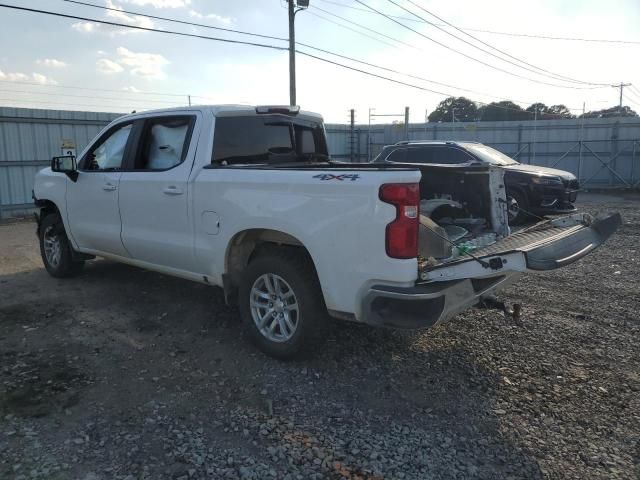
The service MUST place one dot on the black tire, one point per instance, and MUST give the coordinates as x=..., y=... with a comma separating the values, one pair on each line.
x=52, y=228
x=522, y=202
x=298, y=272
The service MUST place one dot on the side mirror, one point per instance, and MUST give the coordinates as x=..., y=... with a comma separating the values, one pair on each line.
x=65, y=164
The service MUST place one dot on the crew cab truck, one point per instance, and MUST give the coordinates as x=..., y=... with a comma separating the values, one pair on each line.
x=246, y=198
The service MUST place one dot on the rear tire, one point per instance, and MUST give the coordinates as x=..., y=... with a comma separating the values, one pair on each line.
x=517, y=205
x=55, y=248
x=281, y=303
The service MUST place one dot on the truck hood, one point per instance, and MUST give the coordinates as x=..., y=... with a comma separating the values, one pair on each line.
x=537, y=170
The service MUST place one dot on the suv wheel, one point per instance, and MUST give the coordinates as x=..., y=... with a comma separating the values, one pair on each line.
x=281, y=303
x=55, y=248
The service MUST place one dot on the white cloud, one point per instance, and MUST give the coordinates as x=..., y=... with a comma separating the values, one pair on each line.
x=140, y=64
x=23, y=77
x=42, y=79
x=147, y=65
x=131, y=89
x=211, y=16
x=160, y=3
x=51, y=62
x=116, y=15
x=108, y=67
x=85, y=27
x=122, y=17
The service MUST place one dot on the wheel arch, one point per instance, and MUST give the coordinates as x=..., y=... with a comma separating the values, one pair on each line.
x=47, y=207
x=249, y=243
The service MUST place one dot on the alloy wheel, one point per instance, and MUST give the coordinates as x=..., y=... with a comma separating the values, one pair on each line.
x=274, y=307
x=52, y=247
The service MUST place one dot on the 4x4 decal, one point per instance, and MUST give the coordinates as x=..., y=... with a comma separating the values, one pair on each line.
x=346, y=176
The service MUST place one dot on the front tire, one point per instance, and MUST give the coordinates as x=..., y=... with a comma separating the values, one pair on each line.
x=55, y=248
x=281, y=303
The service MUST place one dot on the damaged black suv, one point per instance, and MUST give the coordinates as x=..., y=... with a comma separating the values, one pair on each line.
x=530, y=188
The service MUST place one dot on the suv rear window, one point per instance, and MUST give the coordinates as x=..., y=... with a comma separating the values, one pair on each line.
x=265, y=139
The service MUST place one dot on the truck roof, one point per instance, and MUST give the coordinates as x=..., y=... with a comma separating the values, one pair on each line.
x=226, y=110
x=432, y=142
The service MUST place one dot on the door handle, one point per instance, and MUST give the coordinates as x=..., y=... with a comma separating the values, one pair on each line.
x=109, y=187
x=172, y=190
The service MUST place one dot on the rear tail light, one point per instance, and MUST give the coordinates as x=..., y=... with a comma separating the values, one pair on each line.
x=402, y=233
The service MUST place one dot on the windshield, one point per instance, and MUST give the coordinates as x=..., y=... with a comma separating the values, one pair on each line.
x=488, y=154
x=267, y=139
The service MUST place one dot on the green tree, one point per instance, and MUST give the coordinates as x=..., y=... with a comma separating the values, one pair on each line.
x=541, y=107
x=548, y=113
x=459, y=108
x=560, y=111
x=505, y=110
x=612, y=112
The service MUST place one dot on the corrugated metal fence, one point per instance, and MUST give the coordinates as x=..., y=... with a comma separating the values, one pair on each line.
x=601, y=152
x=28, y=140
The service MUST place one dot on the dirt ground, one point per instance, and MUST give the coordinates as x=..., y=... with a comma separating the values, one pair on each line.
x=128, y=374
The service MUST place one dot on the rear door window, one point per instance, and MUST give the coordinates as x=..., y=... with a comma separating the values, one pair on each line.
x=165, y=142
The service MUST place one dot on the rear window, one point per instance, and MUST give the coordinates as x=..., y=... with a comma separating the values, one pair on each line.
x=265, y=139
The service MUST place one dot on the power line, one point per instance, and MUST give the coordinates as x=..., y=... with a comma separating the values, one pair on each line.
x=145, y=29
x=315, y=48
x=560, y=77
x=629, y=100
x=349, y=28
x=67, y=104
x=469, y=56
x=204, y=37
x=76, y=87
x=495, y=32
x=405, y=83
x=632, y=96
x=405, y=74
x=365, y=28
x=634, y=90
x=146, y=101
x=174, y=20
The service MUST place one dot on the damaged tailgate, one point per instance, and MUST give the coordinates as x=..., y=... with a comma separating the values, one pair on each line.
x=545, y=246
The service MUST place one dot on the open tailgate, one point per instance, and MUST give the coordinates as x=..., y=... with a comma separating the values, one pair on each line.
x=545, y=246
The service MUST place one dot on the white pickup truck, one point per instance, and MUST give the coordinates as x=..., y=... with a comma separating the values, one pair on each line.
x=246, y=198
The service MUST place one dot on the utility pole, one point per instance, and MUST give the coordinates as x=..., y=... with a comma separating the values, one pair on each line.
x=301, y=4
x=621, y=87
x=352, y=123
x=406, y=123
x=292, y=54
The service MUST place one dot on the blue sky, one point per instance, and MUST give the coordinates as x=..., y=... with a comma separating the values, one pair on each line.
x=42, y=55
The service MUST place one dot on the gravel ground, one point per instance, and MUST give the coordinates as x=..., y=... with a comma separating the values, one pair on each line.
x=126, y=374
